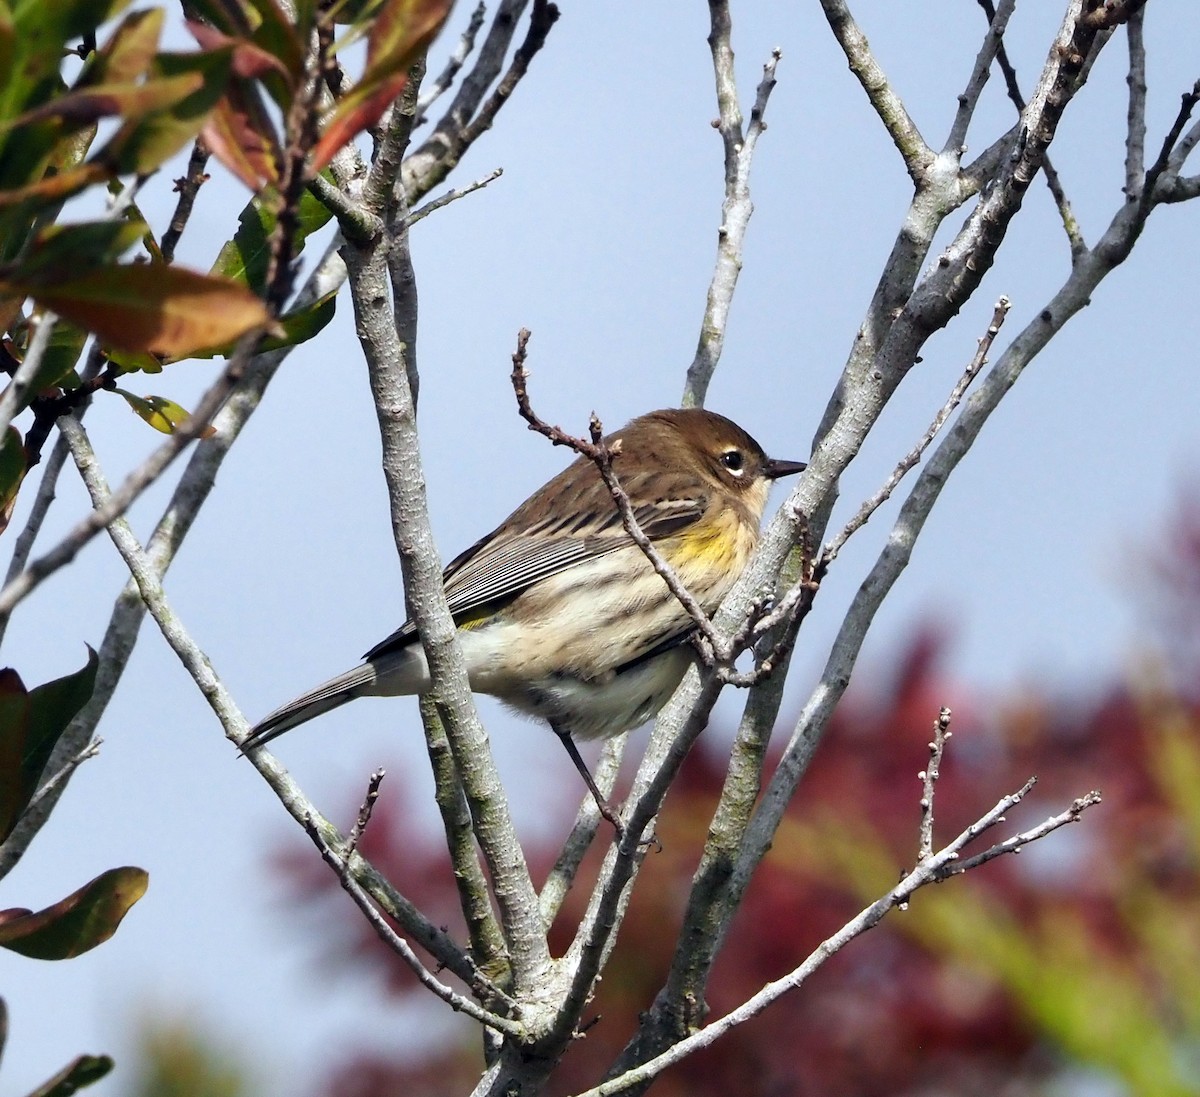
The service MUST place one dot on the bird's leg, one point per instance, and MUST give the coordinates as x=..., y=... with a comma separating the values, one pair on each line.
x=606, y=810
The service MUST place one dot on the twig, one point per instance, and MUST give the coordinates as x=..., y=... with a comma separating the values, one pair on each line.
x=451, y=196
x=147, y=577
x=1183, y=149
x=1011, y=845
x=465, y=119
x=37, y=513
x=1135, y=118
x=910, y=459
x=173, y=526
x=932, y=869
x=736, y=206
x=929, y=777
x=364, y=813
x=437, y=88
x=300, y=135
x=917, y=155
x=187, y=186
x=457, y=1002
x=993, y=43
x=1187, y=104
x=601, y=454
x=16, y=392
x=64, y=774
x=1053, y=183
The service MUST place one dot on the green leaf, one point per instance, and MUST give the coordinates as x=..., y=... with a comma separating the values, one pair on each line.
x=82, y=1071
x=12, y=473
x=279, y=36
x=49, y=28
x=162, y=414
x=167, y=311
x=245, y=258
x=61, y=356
x=301, y=325
x=74, y=925
x=31, y=723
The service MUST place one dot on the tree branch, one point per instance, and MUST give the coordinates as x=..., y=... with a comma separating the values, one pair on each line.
x=736, y=207
x=917, y=155
x=340, y=864
x=388, y=354
x=932, y=868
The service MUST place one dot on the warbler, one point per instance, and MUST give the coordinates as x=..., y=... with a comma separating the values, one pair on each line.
x=559, y=613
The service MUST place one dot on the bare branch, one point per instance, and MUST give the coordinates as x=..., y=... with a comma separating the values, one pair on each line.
x=910, y=460
x=736, y=207
x=1161, y=165
x=1108, y=14
x=135, y=483
x=187, y=186
x=365, y=811
x=16, y=393
x=465, y=120
x=452, y=196
x=918, y=156
x=387, y=336
x=466, y=44
x=1135, y=123
x=932, y=869
x=929, y=777
x=1070, y=225
x=1011, y=845
x=47, y=487
x=1183, y=149
x=196, y=663
x=967, y=102
x=487, y=942
x=340, y=864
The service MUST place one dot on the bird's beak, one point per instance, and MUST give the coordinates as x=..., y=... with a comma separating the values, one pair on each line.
x=773, y=469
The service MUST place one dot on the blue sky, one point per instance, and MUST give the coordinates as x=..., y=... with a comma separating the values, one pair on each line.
x=600, y=238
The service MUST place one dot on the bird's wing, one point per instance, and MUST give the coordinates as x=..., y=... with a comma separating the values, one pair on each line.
x=501, y=565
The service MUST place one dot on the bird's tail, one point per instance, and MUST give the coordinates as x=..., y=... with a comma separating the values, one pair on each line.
x=398, y=672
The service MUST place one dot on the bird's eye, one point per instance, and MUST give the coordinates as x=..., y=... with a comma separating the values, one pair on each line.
x=734, y=460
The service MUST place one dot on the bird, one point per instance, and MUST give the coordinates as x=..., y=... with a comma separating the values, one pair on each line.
x=559, y=613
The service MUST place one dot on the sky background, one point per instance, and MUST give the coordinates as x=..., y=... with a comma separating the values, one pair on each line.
x=599, y=238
